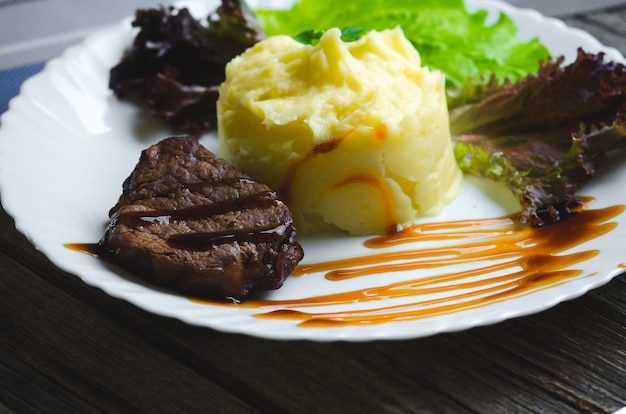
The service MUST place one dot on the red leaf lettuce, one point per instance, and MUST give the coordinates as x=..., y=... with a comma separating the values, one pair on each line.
x=545, y=135
x=176, y=64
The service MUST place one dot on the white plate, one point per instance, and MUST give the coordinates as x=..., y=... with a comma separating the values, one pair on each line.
x=66, y=145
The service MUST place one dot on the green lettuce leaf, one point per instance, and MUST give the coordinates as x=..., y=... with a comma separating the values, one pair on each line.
x=545, y=135
x=460, y=44
x=312, y=37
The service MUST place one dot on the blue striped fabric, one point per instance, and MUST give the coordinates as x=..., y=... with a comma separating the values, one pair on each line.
x=11, y=80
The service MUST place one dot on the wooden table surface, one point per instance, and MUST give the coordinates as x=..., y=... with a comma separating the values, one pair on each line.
x=69, y=348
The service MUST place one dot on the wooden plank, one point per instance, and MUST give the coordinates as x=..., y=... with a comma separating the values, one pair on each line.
x=584, y=368
x=502, y=367
x=608, y=27
x=609, y=21
x=59, y=352
x=566, y=8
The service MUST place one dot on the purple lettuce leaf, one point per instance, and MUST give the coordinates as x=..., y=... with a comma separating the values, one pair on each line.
x=545, y=135
x=176, y=64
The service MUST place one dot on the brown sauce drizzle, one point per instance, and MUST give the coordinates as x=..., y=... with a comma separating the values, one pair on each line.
x=93, y=249
x=201, y=241
x=508, y=260
x=376, y=183
x=144, y=218
x=379, y=132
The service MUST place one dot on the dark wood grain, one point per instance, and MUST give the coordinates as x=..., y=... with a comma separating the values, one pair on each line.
x=67, y=347
x=609, y=27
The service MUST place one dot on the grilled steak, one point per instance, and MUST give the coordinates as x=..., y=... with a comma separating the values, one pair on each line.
x=190, y=222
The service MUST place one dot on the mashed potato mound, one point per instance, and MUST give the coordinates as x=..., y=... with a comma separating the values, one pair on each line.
x=352, y=135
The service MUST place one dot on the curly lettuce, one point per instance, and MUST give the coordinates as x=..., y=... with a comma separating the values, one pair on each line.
x=545, y=135
x=176, y=63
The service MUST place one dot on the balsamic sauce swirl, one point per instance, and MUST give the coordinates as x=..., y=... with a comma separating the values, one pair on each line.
x=507, y=258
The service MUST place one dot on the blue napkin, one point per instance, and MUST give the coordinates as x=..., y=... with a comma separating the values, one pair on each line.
x=11, y=81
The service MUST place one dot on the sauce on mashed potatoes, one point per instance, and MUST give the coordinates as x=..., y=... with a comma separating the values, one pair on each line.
x=353, y=135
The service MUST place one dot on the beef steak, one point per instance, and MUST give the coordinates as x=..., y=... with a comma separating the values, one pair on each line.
x=190, y=222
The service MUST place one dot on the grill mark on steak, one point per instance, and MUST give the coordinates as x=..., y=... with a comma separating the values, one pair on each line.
x=205, y=241
x=265, y=199
x=190, y=222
